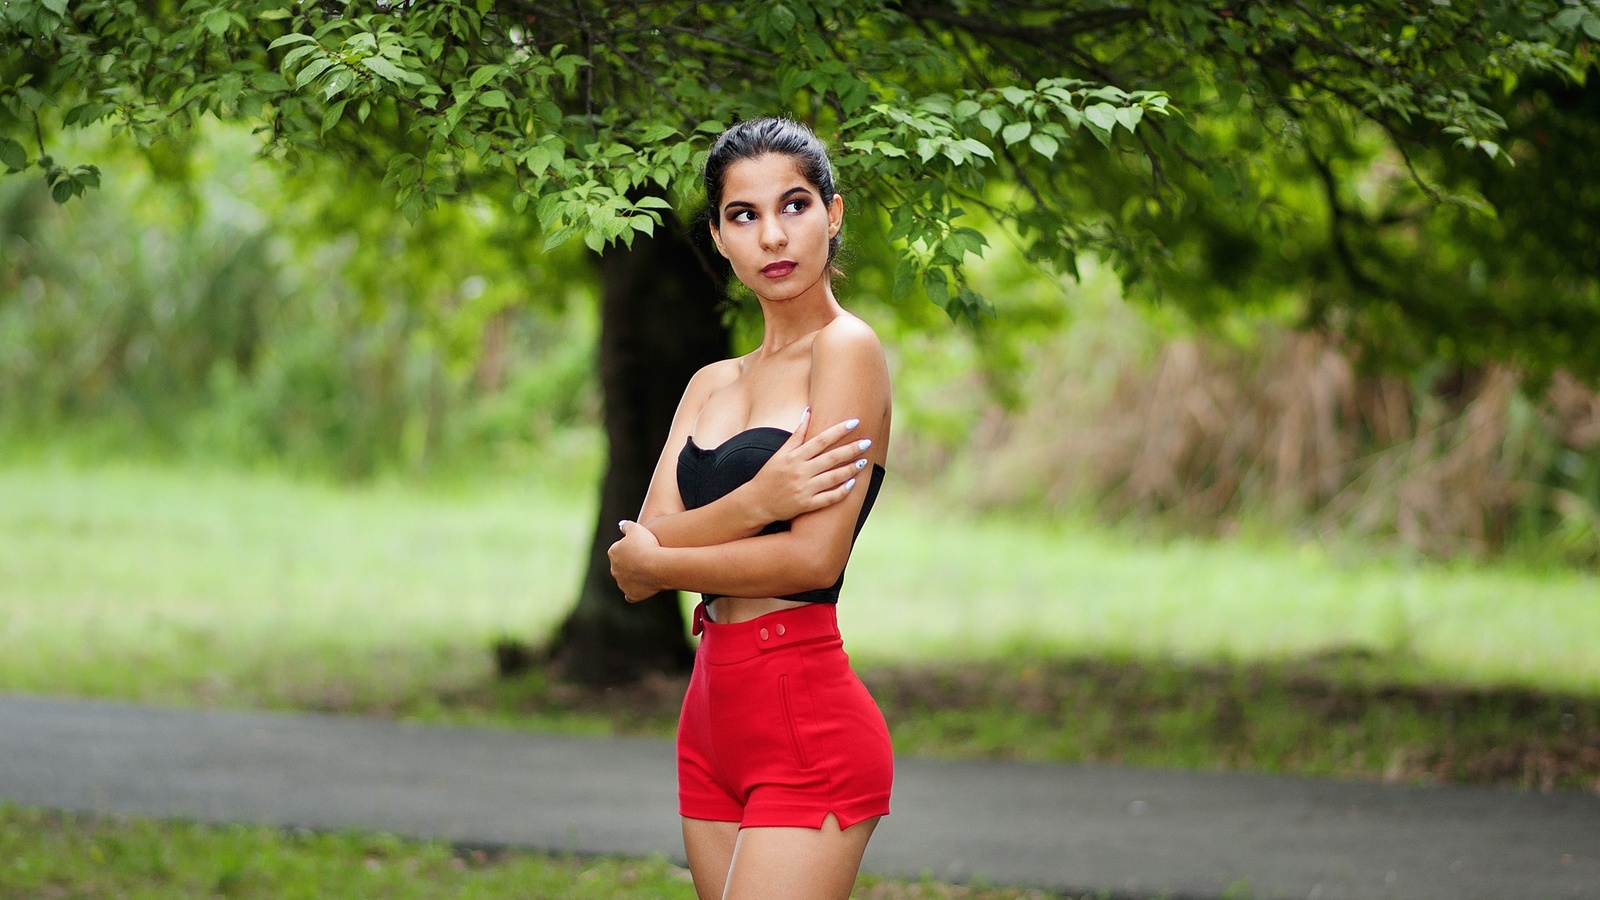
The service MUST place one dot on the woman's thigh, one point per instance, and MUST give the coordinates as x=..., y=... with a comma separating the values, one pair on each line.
x=797, y=863
x=709, y=846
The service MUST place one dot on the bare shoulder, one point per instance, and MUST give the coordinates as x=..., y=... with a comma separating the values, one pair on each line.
x=716, y=375
x=849, y=338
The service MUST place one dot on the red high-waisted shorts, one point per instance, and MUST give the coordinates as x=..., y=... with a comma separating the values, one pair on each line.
x=776, y=728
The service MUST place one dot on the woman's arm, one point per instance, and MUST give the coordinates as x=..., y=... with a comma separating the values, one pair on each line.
x=804, y=475
x=849, y=379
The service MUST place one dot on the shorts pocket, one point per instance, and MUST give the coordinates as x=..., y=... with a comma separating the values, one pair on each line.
x=789, y=722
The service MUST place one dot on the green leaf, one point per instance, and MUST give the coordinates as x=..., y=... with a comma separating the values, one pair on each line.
x=792, y=81
x=389, y=71
x=558, y=237
x=1568, y=18
x=1016, y=131
x=216, y=21
x=33, y=98
x=1101, y=115
x=311, y=71
x=13, y=155
x=274, y=14
x=290, y=39
x=494, y=99
x=341, y=79
x=594, y=241
x=1044, y=145
x=990, y=120
x=1591, y=26
x=905, y=277
x=331, y=117
x=61, y=191
x=59, y=7
x=781, y=18
x=1128, y=117
x=937, y=284
x=976, y=148
x=269, y=82
x=483, y=75
x=659, y=132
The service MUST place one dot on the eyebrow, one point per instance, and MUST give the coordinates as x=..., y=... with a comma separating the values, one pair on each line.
x=746, y=204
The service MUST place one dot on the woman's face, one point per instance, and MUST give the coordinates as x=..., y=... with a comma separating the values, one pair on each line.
x=774, y=228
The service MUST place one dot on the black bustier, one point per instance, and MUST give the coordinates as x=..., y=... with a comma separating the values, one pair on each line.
x=708, y=475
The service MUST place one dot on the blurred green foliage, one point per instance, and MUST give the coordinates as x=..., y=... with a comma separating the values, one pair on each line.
x=213, y=316
x=1228, y=145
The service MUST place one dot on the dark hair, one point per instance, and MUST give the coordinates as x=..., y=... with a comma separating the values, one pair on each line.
x=758, y=137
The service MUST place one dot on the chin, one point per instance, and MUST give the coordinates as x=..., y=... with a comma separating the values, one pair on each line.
x=793, y=286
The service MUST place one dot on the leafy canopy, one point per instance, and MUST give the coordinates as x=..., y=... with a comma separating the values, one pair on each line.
x=1066, y=122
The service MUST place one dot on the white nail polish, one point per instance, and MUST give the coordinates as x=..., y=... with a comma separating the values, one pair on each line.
x=851, y=423
x=849, y=484
x=860, y=464
x=864, y=444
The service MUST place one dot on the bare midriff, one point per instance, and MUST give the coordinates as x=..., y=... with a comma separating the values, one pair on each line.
x=729, y=610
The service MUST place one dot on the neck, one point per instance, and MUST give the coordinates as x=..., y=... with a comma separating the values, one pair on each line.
x=786, y=321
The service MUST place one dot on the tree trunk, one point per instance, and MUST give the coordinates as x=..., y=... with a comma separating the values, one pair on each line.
x=659, y=323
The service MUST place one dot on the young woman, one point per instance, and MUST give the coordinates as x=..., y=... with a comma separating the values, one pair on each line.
x=784, y=763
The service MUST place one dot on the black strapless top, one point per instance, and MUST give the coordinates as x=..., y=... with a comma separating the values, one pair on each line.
x=708, y=475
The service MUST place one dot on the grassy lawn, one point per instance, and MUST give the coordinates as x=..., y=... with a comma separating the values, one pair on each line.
x=45, y=855
x=979, y=637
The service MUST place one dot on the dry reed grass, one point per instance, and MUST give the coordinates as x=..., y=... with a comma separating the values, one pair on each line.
x=1286, y=428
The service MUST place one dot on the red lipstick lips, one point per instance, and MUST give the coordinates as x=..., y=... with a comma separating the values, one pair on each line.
x=779, y=269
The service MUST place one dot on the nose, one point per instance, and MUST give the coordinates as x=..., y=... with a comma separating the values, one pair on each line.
x=773, y=235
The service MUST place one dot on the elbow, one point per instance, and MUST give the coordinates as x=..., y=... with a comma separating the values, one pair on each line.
x=819, y=571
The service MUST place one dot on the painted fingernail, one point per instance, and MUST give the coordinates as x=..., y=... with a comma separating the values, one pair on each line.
x=860, y=464
x=864, y=444
x=620, y=523
x=851, y=423
x=849, y=484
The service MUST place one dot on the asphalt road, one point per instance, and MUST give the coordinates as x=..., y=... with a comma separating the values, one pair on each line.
x=1124, y=831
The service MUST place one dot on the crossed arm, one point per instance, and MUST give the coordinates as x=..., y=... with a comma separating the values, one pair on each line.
x=717, y=549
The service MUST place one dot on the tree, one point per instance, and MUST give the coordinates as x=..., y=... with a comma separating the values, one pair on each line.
x=1052, y=118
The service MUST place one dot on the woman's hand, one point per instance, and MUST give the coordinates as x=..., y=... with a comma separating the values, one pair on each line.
x=808, y=474
x=630, y=562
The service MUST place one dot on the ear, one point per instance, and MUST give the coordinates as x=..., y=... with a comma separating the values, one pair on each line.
x=716, y=238
x=835, y=214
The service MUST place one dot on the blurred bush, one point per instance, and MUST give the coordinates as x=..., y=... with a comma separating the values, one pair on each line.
x=1134, y=413
x=204, y=307
x=213, y=319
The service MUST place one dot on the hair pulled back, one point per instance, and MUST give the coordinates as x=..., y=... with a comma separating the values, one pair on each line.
x=758, y=137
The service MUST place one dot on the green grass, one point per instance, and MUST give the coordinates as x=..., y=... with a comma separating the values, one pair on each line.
x=49, y=855
x=240, y=590
x=979, y=638
x=926, y=584
x=44, y=855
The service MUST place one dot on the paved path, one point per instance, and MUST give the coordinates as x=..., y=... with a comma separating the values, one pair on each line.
x=1129, y=832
